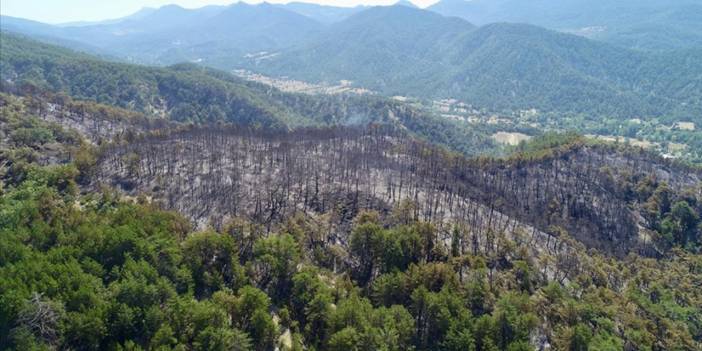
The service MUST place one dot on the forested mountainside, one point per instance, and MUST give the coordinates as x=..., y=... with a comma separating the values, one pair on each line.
x=399, y=50
x=648, y=25
x=157, y=91
x=319, y=263
x=188, y=93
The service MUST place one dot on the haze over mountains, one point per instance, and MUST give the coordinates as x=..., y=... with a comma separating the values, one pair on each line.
x=173, y=34
x=641, y=24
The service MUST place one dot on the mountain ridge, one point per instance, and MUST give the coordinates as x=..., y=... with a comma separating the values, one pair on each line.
x=500, y=66
x=647, y=25
x=399, y=50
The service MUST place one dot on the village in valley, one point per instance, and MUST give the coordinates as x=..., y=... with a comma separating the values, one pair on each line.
x=510, y=128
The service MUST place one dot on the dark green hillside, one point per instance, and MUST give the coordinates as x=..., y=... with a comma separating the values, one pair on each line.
x=516, y=66
x=384, y=48
x=182, y=96
x=674, y=28
x=400, y=50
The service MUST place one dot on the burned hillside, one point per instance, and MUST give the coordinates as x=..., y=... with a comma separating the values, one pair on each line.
x=591, y=191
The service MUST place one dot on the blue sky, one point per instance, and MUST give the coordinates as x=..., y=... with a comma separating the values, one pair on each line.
x=61, y=11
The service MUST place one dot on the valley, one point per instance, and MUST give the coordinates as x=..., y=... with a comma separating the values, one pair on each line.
x=566, y=82
x=296, y=86
x=666, y=137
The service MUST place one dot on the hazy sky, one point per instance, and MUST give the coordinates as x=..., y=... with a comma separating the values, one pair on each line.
x=61, y=11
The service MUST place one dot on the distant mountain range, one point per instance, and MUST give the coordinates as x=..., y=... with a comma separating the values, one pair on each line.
x=406, y=51
x=402, y=50
x=173, y=34
x=640, y=24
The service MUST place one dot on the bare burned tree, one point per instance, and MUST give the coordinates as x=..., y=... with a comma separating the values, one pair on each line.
x=41, y=318
x=216, y=174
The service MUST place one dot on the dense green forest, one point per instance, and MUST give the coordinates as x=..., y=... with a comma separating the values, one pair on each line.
x=115, y=275
x=183, y=95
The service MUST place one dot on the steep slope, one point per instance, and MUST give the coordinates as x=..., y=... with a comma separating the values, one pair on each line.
x=650, y=24
x=400, y=50
x=179, y=93
x=189, y=93
x=382, y=47
x=517, y=66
